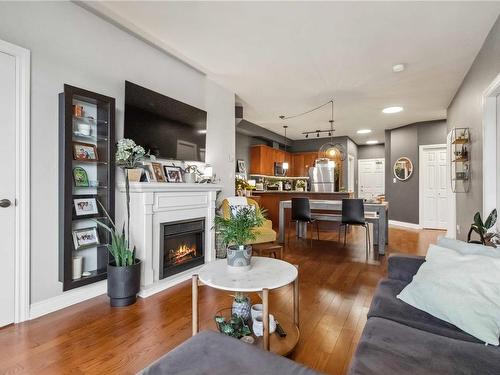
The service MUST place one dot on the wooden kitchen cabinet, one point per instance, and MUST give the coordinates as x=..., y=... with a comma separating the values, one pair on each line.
x=262, y=159
x=301, y=163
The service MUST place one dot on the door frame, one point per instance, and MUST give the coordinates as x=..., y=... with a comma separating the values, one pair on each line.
x=421, y=150
x=22, y=200
x=490, y=140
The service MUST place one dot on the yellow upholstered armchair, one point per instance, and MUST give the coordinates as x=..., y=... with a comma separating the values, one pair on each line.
x=264, y=233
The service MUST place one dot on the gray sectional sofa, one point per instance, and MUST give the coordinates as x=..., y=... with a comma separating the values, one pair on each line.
x=400, y=339
x=397, y=339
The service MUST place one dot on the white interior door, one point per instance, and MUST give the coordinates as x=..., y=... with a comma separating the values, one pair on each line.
x=434, y=187
x=371, y=178
x=7, y=187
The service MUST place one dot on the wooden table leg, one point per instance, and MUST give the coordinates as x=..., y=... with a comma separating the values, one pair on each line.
x=296, y=299
x=195, y=304
x=265, y=317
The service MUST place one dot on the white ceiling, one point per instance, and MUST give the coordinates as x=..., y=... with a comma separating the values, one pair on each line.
x=284, y=58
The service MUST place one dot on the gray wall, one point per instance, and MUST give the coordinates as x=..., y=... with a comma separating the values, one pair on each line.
x=403, y=196
x=243, y=144
x=371, y=151
x=465, y=110
x=70, y=45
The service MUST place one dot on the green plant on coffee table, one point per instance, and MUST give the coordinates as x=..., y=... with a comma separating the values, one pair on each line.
x=482, y=228
x=234, y=327
x=237, y=228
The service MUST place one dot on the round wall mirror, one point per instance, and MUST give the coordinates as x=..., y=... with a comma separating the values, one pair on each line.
x=403, y=168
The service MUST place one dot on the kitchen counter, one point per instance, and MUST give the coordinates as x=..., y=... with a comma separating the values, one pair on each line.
x=270, y=200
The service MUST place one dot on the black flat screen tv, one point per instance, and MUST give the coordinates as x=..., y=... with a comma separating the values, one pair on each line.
x=166, y=127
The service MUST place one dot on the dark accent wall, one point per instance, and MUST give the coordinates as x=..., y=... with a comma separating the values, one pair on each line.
x=403, y=196
x=243, y=143
x=466, y=110
x=371, y=152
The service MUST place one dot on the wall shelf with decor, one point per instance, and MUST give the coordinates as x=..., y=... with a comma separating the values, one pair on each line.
x=86, y=178
x=460, y=146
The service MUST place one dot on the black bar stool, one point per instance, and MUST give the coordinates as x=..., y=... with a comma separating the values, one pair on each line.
x=301, y=212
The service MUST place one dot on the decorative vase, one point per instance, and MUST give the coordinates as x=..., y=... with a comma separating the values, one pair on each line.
x=124, y=283
x=242, y=308
x=190, y=178
x=299, y=189
x=248, y=193
x=238, y=257
x=134, y=174
x=258, y=325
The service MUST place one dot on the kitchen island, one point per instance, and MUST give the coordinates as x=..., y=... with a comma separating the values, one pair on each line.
x=270, y=200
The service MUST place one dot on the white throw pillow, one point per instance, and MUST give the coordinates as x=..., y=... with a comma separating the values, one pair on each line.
x=463, y=290
x=468, y=248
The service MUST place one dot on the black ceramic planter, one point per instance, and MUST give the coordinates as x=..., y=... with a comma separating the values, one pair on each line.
x=124, y=284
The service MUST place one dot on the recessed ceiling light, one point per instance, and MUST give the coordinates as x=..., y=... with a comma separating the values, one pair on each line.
x=392, y=109
x=371, y=142
x=364, y=131
x=398, y=68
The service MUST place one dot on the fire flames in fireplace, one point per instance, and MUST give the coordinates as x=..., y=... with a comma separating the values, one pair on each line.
x=182, y=253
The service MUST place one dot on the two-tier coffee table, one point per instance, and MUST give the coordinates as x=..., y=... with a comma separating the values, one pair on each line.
x=266, y=274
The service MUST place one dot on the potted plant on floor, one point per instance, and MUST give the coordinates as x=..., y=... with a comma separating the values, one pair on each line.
x=237, y=232
x=486, y=238
x=124, y=271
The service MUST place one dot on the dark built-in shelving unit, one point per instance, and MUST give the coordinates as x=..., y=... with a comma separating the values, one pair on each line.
x=96, y=115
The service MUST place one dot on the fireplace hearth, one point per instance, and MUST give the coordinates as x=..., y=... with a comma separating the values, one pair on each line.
x=181, y=246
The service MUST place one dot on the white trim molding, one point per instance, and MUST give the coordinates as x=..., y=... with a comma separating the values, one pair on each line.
x=68, y=298
x=490, y=140
x=404, y=224
x=22, y=202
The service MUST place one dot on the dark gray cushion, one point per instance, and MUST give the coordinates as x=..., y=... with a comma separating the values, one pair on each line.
x=386, y=305
x=213, y=353
x=387, y=347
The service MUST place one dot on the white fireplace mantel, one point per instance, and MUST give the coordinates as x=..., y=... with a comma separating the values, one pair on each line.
x=152, y=204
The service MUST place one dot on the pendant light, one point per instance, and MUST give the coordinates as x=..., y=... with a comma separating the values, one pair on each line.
x=285, y=164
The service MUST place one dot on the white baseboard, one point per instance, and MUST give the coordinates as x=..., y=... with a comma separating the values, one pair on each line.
x=68, y=298
x=404, y=224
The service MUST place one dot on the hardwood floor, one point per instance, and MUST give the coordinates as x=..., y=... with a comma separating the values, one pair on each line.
x=336, y=288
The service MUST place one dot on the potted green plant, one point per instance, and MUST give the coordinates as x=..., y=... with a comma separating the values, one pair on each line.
x=482, y=229
x=237, y=232
x=124, y=270
x=129, y=156
x=300, y=185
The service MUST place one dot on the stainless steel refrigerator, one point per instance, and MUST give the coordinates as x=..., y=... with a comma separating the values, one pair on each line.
x=322, y=177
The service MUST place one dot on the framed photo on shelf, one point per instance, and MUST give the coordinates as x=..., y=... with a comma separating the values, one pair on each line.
x=242, y=166
x=85, y=237
x=85, y=206
x=80, y=177
x=173, y=174
x=158, y=172
x=84, y=151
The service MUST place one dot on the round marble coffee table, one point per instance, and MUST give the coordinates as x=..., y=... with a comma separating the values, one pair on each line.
x=265, y=274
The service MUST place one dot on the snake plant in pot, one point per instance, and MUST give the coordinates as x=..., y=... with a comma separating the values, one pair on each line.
x=124, y=269
x=237, y=231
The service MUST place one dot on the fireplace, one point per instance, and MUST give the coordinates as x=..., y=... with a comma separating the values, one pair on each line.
x=181, y=246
